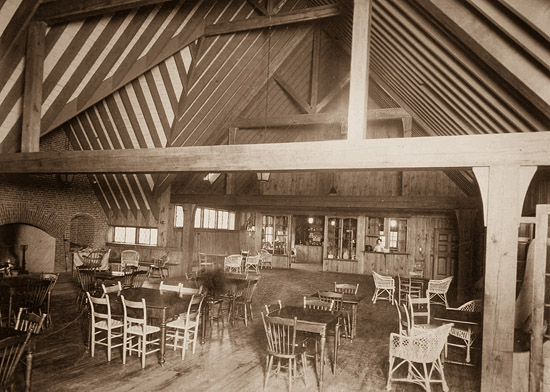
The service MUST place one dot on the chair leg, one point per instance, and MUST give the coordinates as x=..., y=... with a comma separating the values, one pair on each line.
x=269, y=365
x=304, y=367
x=290, y=375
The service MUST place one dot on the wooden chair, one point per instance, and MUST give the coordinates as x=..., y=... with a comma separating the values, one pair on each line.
x=266, y=259
x=346, y=288
x=52, y=277
x=281, y=344
x=32, y=297
x=86, y=282
x=466, y=333
x=159, y=269
x=233, y=263
x=103, y=323
x=11, y=350
x=273, y=307
x=30, y=321
x=204, y=264
x=315, y=303
x=190, y=290
x=419, y=313
x=419, y=357
x=437, y=291
x=252, y=263
x=188, y=324
x=113, y=289
x=242, y=304
x=139, y=278
x=129, y=260
x=170, y=287
x=404, y=321
x=383, y=284
x=338, y=305
x=136, y=326
x=408, y=287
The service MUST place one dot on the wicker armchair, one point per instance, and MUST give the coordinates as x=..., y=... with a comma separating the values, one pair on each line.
x=467, y=333
x=383, y=284
x=419, y=357
x=233, y=263
x=437, y=291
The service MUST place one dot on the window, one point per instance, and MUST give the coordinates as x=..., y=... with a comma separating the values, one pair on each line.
x=342, y=238
x=136, y=235
x=178, y=216
x=392, y=232
x=275, y=234
x=210, y=218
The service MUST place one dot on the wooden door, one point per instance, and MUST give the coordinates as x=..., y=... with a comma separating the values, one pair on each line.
x=446, y=253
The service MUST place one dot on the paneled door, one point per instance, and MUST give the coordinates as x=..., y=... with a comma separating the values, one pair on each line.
x=446, y=253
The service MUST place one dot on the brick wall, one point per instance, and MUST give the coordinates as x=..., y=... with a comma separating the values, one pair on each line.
x=44, y=202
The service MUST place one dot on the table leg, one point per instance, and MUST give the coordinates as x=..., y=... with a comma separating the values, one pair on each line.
x=205, y=319
x=162, y=340
x=354, y=321
x=336, y=338
x=322, y=360
x=29, y=370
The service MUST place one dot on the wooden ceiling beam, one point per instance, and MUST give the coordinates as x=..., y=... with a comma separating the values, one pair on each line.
x=69, y=10
x=443, y=152
x=429, y=203
x=318, y=118
x=298, y=16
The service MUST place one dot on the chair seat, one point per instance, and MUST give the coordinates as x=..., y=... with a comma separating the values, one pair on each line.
x=114, y=324
x=138, y=330
x=180, y=323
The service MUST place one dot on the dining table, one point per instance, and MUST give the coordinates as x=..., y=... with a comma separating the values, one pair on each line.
x=161, y=305
x=29, y=349
x=351, y=300
x=317, y=322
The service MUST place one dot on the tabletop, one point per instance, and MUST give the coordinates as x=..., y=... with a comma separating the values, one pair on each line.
x=347, y=299
x=154, y=297
x=307, y=315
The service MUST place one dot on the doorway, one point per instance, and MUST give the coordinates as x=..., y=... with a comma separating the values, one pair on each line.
x=446, y=253
x=308, y=241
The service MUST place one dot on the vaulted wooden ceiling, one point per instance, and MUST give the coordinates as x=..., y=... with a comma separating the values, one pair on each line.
x=163, y=73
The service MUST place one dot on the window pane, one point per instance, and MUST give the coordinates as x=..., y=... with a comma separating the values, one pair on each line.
x=210, y=215
x=120, y=233
x=130, y=237
x=231, y=224
x=178, y=216
x=144, y=236
x=198, y=218
x=154, y=236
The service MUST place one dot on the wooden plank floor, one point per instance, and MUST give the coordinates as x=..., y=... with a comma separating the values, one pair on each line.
x=233, y=358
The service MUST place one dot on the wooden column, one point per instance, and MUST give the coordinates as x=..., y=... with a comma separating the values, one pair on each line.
x=164, y=222
x=32, y=96
x=229, y=177
x=359, y=76
x=503, y=212
x=187, y=242
x=466, y=220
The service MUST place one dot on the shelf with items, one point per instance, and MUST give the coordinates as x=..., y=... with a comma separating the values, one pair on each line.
x=275, y=234
x=341, y=238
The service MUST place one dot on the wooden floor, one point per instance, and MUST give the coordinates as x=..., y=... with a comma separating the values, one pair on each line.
x=233, y=357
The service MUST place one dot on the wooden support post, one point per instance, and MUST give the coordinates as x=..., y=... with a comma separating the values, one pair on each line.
x=536, y=359
x=359, y=77
x=32, y=96
x=466, y=220
x=230, y=177
x=500, y=275
x=187, y=242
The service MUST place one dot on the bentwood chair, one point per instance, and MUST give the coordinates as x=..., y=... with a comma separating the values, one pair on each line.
x=383, y=285
x=281, y=344
x=11, y=350
x=159, y=269
x=233, y=263
x=466, y=333
x=136, y=326
x=417, y=358
x=437, y=291
x=103, y=323
x=129, y=260
x=187, y=324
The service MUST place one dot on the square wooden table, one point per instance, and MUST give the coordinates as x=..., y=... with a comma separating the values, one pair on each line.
x=315, y=321
x=161, y=305
x=353, y=301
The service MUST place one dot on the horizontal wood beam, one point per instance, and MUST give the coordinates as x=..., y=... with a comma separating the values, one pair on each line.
x=67, y=10
x=438, y=152
x=298, y=16
x=318, y=118
x=334, y=202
